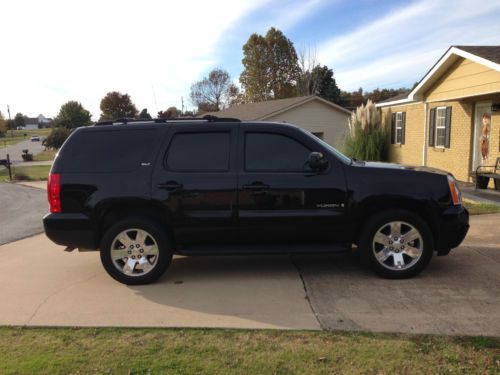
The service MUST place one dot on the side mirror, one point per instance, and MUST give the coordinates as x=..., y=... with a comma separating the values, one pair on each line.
x=317, y=161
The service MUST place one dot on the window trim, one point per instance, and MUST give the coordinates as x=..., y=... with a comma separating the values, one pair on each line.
x=167, y=152
x=400, y=128
x=440, y=127
x=295, y=171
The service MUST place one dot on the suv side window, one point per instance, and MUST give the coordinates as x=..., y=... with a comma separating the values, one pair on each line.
x=199, y=152
x=274, y=152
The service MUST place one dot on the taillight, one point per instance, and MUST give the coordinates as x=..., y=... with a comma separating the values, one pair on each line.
x=54, y=192
x=455, y=192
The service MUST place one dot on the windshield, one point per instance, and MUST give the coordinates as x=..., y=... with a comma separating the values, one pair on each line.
x=336, y=152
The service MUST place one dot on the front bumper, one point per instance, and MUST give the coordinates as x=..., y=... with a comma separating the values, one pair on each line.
x=453, y=228
x=72, y=230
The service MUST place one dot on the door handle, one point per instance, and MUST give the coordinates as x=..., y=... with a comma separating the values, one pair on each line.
x=170, y=186
x=256, y=186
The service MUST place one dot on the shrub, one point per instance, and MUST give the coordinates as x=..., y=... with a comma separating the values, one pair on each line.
x=368, y=138
x=56, y=138
x=27, y=156
x=20, y=176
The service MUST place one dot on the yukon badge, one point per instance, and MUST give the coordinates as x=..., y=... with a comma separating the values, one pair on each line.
x=330, y=205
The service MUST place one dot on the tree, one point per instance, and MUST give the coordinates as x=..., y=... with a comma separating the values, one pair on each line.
x=144, y=115
x=271, y=67
x=171, y=112
x=3, y=126
x=56, y=138
x=19, y=120
x=72, y=115
x=116, y=105
x=214, y=92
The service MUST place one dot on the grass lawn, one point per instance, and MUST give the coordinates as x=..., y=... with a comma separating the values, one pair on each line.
x=18, y=135
x=476, y=208
x=217, y=351
x=45, y=155
x=33, y=173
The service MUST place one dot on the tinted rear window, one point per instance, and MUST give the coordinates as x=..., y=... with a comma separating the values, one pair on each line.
x=199, y=152
x=107, y=151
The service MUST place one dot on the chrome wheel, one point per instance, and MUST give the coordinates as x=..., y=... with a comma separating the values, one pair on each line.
x=134, y=252
x=397, y=245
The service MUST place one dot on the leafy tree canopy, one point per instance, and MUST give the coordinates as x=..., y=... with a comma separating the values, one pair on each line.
x=170, y=112
x=144, y=115
x=72, y=115
x=116, y=105
x=56, y=138
x=271, y=67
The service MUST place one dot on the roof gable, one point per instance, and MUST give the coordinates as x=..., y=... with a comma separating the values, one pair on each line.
x=488, y=56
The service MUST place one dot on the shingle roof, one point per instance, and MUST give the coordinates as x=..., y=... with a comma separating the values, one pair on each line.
x=491, y=53
x=259, y=110
x=397, y=97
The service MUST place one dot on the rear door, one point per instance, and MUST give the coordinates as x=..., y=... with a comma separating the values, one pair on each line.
x=196, y=182
x=280, y=197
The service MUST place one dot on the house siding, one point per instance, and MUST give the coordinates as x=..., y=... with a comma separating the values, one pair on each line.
x=457, y=158
x=411, y=152
x=465, y=78
x=317, y=117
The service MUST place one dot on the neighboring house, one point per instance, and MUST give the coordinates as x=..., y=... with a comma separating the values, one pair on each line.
x=451, y=119
x=324, y=119
x=37, y=122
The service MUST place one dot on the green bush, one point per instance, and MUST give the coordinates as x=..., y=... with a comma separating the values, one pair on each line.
x=368, y=137
x=56, y=138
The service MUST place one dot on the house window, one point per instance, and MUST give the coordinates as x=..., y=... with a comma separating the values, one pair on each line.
x=398, y=123
x=320, y=135
x=440, y=126
x=399, y=127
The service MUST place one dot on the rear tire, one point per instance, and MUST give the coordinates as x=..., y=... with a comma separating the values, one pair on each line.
x=135, y=251
x=396, y=244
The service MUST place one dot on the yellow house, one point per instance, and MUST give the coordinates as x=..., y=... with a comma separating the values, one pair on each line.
x=451, y=119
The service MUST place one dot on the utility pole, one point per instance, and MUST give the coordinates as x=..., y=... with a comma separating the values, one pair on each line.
x=182, y=106
x=10, y=122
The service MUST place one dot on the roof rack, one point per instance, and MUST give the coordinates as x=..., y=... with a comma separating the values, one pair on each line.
x=207, y=118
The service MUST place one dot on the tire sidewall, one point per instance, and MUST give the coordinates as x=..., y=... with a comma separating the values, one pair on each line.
x=376, y=222
x=162, y=240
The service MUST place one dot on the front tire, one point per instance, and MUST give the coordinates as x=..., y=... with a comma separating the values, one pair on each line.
x=396, y=244
x=135, y=251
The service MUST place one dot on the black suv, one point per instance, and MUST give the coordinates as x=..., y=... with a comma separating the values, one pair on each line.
x=143, y=191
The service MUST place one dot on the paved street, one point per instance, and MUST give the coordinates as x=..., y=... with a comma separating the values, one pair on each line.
x=15, y=151
x=21, y=211
x=43, y=285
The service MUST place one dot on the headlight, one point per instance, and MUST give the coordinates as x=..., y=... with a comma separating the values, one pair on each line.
x=456, y=196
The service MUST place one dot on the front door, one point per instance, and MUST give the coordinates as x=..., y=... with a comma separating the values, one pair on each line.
x=279, y=197
x=196, y=182
x=482, y=135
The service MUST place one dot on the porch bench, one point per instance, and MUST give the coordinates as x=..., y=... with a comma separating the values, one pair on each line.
x=485, y=172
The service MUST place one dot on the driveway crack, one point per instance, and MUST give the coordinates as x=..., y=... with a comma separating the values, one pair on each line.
x=306, y=291
x=46, y=299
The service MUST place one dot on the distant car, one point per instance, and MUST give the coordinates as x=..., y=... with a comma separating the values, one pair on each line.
x=35, y=138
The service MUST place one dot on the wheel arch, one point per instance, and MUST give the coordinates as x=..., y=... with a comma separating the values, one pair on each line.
x=112, y=211
x=375, y=206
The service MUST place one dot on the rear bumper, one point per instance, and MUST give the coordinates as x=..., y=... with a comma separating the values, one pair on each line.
x=72, y=230
x=452, y=229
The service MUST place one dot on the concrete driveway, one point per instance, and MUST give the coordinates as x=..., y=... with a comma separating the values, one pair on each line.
x=40, y=284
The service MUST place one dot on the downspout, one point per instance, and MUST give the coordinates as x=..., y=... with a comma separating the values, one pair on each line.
x=424, y=146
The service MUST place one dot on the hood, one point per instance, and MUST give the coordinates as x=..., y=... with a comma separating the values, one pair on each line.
x=380, y=165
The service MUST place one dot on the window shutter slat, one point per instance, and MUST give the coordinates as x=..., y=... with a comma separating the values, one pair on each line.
x=393, y=128
x=447, y=129
x=403, y=127
x=432, y=122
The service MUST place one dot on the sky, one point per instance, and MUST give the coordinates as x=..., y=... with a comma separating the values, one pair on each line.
x=55, y=51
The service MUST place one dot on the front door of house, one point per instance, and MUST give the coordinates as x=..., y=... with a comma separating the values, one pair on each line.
x=482, y=132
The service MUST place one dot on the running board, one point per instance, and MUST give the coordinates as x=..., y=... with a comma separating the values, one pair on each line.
x=261, y=249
